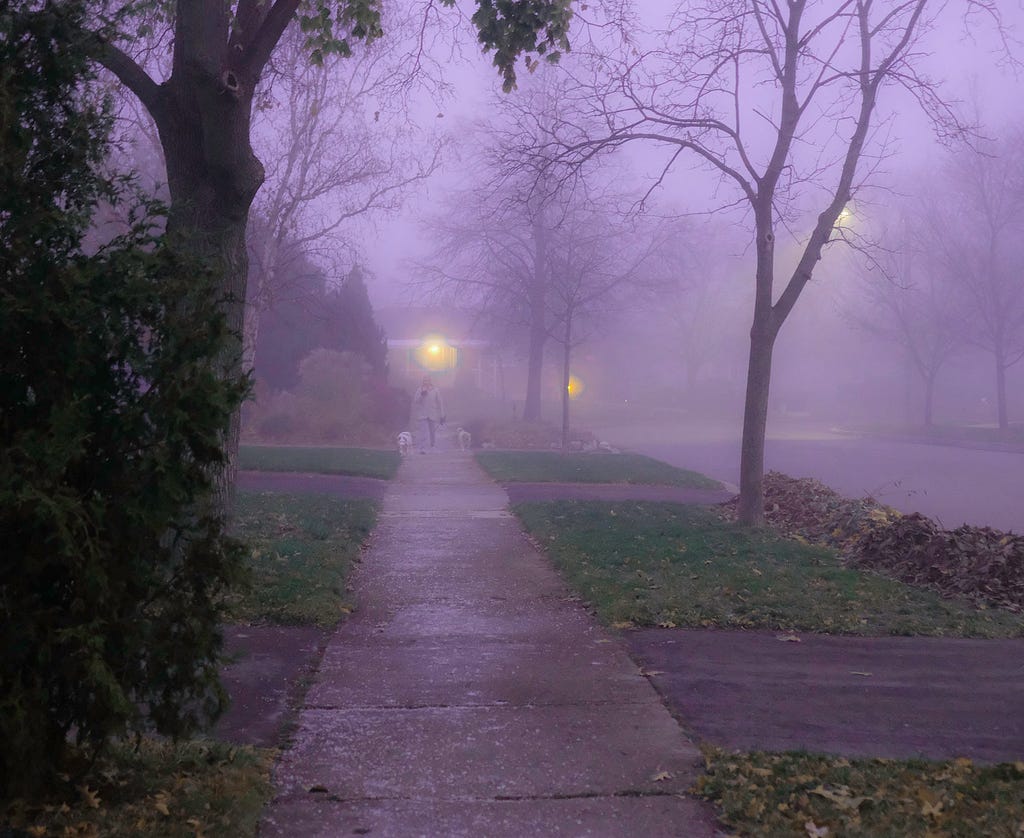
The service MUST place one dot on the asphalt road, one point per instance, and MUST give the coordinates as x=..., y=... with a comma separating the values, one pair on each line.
x=953, y=485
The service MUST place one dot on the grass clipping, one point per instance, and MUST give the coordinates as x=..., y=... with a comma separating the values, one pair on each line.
x=979, y=564
x=767, y=794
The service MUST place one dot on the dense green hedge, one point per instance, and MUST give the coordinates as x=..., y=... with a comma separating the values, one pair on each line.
x=112, y=414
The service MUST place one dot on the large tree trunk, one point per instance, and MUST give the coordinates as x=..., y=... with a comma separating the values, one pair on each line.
x=213, y=176
x=755, y=423
x=1001, y=413
x=534, y=372
x=759, y=374
x=929, y=398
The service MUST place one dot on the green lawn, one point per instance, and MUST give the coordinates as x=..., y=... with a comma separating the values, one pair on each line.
x=649, y=564
x=160, y=789
x=302, y=549
x=796, y=794
x=355, y=462
x=592, y=467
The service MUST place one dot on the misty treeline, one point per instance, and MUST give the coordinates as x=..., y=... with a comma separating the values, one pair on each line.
x=198, y=71
x=776, y=117
x=771, y=117
x=944, y=275
x=541, y=256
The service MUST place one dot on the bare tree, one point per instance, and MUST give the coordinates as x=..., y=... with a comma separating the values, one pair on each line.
x=779, y=99
x=495, y=235
x=202, y=104
x=978, y=228
x=339, y=147
x=906, y=297
x=700, y=308
x=598, y=260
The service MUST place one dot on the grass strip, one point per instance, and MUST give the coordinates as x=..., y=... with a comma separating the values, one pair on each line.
x=800, y=794
x=591, y=467
x=303, y=546
x=354, y=462
x=160, y=789
x=649, y=564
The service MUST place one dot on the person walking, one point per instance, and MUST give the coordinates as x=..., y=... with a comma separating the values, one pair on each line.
x=429, y=412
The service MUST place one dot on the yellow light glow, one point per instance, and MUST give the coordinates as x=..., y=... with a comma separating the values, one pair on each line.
x=844, y=216
x=576, y=387
x=435, y=354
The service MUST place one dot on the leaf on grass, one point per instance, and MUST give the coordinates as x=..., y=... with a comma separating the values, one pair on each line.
x=160, y=800
x=788, y=638
x=841, y=797
x=666, y=624
x=89, y=797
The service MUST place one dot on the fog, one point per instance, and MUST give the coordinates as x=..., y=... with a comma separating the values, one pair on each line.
x=889, y=338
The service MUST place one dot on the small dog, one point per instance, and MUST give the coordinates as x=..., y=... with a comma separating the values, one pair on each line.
x=465, y=439
x=404, y=443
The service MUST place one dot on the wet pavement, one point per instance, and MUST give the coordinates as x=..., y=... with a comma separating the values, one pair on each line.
x=471, y=694
x=897, y=697
x=952, y=484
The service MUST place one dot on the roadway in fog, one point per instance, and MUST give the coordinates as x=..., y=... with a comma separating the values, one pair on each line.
x=951, y=484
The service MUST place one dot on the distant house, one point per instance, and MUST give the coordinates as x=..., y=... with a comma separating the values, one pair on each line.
x=447, y=345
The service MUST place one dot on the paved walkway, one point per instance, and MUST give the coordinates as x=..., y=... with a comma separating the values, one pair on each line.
x=470, y=694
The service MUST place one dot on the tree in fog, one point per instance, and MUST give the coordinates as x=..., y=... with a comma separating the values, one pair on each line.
x=977, y=228
x=780, y=100
x=905, y=295
x=203, y=106
x=699, y=307
x=494, y=236
x=598, y=261
x=339, y=147
x=318, y=314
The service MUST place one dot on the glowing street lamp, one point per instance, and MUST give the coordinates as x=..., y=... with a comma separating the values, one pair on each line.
x=435, y=353
x=576, y=387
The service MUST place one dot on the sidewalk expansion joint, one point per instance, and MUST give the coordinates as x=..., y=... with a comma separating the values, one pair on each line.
x=446, y=514
x=492, y=705
x=324, y=794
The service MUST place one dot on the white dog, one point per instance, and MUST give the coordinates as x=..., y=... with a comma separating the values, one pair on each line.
x=404, y=443
x=465, y=439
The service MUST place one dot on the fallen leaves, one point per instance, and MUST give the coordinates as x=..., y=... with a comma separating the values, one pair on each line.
x=816, y=795
x=815, y=831
x=788, y=638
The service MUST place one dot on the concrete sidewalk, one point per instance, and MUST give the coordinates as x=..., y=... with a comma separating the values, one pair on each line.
x=469, y=694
